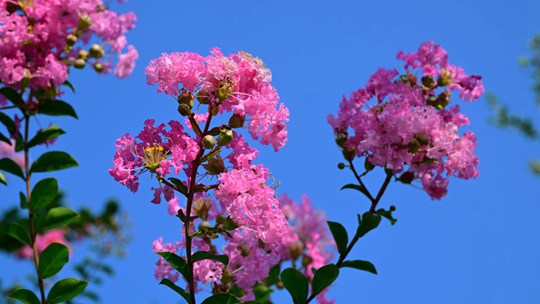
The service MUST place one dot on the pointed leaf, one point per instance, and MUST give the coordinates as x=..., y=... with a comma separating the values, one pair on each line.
x=52, y=161
x=178, y=183
x=5, y=139
x=296, y=284
x=45, y=135
x=360, y=265
x=11, y=95
x=16, y=231
x=56, y=108
x=181, y=291
x=10, y=166
x=65, y=290
x=55, y=218
x=357, y=187
x=222, y=298
x=176, y=262
x=204, y=255
x=8, y=122
x=3, y=179
x=369, y=222
x=324, y=277
x=23, y=202
x=69, y=85
x=340, y=236
x=52, y=259
x=25, y=296
x=44, y=193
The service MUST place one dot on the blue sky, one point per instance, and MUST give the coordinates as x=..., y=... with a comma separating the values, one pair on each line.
x=479, y=244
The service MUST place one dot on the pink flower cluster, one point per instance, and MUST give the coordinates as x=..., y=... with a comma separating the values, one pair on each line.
x=40, y=39
x=238, y=83
x=411, y=126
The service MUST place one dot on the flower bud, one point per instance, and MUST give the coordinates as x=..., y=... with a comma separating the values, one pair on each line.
x=184, y=109
x=341, y=166
x=84, y=22
x=98, y=66
x=71, y=39
x=444, y=79
x=236, y=121
x=392, y=208
x=204, y=225
x=186, y=97
x=220, y=219
x=209, y=141
x=83, y=54
x=296, y=249
x=406, y=177
x=279, y=284
x=225, y=137
x=306, y=260
x=428, y=82
x=225, y=90
x=79, y=63
x=203, y=97
x=368, y=166
x=349, y=153
x=96, y=51
x=341, y=139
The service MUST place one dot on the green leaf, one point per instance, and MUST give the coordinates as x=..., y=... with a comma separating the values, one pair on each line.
x=44, y=193
x=17, y=232
x=52, y=259
x=360, y=265
x=3, y=179
x=357, y=187
x=262, y=293
x=8, y=122
x=340, y=236
x=369, y=222
x=181, y=291
x=5, y=139
x=23, y=202
x=273, y=275
x=56, y=108
x=55, y=218
x=10, y=166
x=222, y=298
x=65, y=290
x=324, y=277
x=11, y=95
x=69, y=85
x=45, y=135
x=205, y=255
x=296, y=284
x=176, y=262
x=178, y=183
x=25, y=296
x=52, y=161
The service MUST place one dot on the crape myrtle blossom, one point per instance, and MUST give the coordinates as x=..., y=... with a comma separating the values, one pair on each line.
x=412, y=126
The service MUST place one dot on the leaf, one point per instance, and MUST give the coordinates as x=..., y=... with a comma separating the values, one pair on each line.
x=340, y=236
x=360, y=265
x=222, y=298
x=11, y=95
x=45, y=135
x=176, y=262
x=357, y=187
x=3, y=179
x=52, y=259
x=55, y=218
x=181, y=291
x=56, y=108
x=52, y=161
x=69, y=85
x=10, y=166
x=23, y=202
x=44, y=193
x=324, y=277
x=387, y=214
x=296, y=284
x=273, y=275
x=369, y=222
x=178, y=183
x=25, y=296
x=205, y=255
x=8, y=122
x=65, y=290
x=5, y=139
x=17, y=232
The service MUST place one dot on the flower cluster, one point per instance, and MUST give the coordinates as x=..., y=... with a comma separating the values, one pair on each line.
x=41, y=39
x=411, y=128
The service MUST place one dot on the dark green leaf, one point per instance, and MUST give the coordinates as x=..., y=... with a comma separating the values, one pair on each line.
x=55, y=218
x=3, y=179
x=262, y=293
x=45, y=135
x=388, y=215
x=69, y=85
x=361, y=265
x=65, y=290
x=178, y=183
x=181, y=291
x=324, y=277
x=23, y=202
x=176, y=262
x=52, y=161
x=56, y=108
x=222, y=298
x=8, y=122
x=52, y=259
x=229, y=224
x=273, y=275
x=10, y=166
x=17, y=232
x=340, y=236
x=11, y=95
x=357, y=187
x=44, y=193
x=25, y=296
x=296, y=284
x=369, y=222
x=5, y=139
x=204, y=255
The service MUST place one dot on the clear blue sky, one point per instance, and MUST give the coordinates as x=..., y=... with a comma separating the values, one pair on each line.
x=480, y=244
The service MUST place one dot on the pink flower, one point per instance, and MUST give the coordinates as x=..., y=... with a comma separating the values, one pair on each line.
x=42, y=242
x=126, y=63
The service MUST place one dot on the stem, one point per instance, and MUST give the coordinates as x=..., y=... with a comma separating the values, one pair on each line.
x=33, y=233
x=359, y=179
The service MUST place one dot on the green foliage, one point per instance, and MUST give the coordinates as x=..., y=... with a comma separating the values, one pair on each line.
x=181, y=291
x=204, y=255
x=10, y=166
x=44, y=135
x=24, y=296
x=360, y=265
x=43, y=194
x=53, y=161
x=65, y=290
x=11, y=95
x=296, y=283
x=367, y=223
x=56, y=108
x=340, y=236
x=222, y=298
x=52, y=260
x=360, y=188
x=55, y=218
x=324, y=277
x=176, y=262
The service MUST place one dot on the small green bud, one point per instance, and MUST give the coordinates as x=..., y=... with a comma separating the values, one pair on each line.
x=225, y=90
x=96, y=51
x=341, y=139
x=79, y=63
x=220, y=219
x=428, y=82
x=84, y=22
x=413, y=146
x=204, y=225
x=71, y=39
x=280, y=285
x=392, y=208
x=98, y=66
x=209, y=141
x=225, y=137
x=349, y=153
x=406, y=178
x=444, y=79
x=368, y=166
x=236, y=121
x=341, y=166
x=203, y=97
x=186, y=97
x=83, y=54
x=184, y=109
